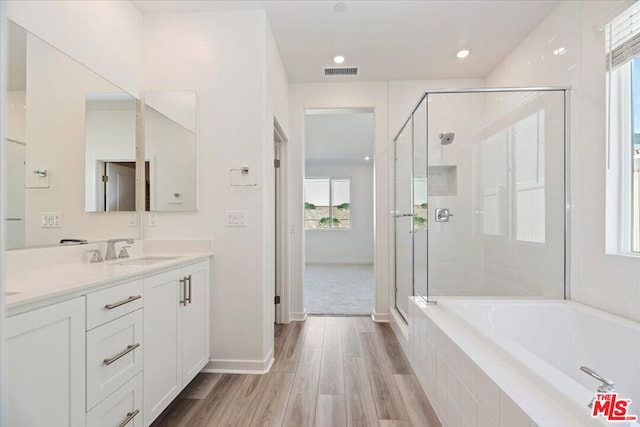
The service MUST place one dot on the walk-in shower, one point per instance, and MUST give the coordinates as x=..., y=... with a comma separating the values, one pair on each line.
x=486, y=215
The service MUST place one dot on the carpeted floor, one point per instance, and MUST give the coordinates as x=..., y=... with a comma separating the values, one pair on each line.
x=339, y=288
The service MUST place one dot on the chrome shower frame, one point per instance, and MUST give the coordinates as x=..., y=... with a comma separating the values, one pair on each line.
x=567, y=169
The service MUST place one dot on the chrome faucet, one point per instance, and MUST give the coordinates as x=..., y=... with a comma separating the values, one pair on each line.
x=606, y=386
x=111, y=249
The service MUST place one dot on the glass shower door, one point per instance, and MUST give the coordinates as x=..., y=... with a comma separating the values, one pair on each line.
x=420, y=201
x=497, y=193
x=403, y=218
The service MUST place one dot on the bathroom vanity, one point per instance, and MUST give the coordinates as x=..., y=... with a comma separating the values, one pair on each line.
x=105, y=344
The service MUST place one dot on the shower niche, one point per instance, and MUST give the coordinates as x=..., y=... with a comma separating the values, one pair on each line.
x=493, y=161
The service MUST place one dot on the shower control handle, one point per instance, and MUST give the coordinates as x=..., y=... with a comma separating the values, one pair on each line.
x=443, y=214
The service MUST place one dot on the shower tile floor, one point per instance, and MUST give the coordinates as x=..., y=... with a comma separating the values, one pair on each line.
x=339, y=289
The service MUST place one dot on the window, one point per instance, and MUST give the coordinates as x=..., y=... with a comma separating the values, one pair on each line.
x=623, y=136
x=327, y=203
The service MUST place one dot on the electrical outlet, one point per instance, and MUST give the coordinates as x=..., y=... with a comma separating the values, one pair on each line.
x=153, y=219
x=237, y=218
x=132, y=221
x=51, y=220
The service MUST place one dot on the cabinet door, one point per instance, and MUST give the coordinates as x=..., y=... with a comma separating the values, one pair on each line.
x=162, y=349
x=46, y=359
x=195, y=322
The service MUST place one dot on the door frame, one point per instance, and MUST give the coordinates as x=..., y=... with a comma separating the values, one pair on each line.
x=281, y=224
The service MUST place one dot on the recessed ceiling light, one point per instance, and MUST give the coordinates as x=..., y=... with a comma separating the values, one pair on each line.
x=340, y=7
x=367, y=158
x=338, y=59
x=462, y=54
x=559, y=51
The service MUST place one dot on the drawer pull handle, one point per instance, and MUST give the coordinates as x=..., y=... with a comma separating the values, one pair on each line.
x=183, y=282
x=129, y=349
x=189, y=282
x=123, y=302
x=130, y=417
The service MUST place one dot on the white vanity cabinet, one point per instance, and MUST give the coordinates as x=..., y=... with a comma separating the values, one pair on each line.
x=176, y=333
x=114, y=353
x=46, y=358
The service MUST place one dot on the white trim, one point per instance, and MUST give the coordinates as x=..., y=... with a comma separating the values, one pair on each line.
x=399, y=326
x=247, y=367
x=299, y=317
x=380, y=317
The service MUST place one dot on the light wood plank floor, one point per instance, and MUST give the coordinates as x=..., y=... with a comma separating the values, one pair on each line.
x=328, y=372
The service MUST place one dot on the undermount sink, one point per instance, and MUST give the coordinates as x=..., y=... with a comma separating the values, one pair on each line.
x=146, y=260
x=8, y=294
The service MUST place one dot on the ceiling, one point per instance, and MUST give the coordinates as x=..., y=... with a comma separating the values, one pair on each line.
x=338, y=136
x=388, y=40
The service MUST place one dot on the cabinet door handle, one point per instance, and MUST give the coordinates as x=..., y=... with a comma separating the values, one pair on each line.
x=130, y=417
x=123, y=302
x=189, y=281
x=183, y=282
x=124, y=352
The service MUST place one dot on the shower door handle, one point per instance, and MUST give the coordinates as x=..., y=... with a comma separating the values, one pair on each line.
x=443, y=214
x=402, y=215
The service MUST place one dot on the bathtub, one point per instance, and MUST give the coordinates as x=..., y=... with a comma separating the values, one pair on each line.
x=531, y=351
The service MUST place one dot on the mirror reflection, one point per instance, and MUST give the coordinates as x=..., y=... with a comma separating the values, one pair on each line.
x=170, y=147
x=110, y=152
x=48, y=145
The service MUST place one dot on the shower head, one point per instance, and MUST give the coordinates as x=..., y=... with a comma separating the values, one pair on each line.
x=447, y=138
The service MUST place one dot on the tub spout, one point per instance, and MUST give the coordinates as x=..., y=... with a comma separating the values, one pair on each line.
x=606, y=386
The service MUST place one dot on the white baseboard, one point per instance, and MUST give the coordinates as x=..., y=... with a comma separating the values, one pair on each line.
x=299, y=317
x=381, y=317
x=255, y=367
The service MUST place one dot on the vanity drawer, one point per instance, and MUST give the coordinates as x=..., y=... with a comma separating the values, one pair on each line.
x=114, y=356
x=124, y=405
x=106, y=305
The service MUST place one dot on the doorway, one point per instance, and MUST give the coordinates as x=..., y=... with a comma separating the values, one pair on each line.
x=339, y=211
x=117, y=191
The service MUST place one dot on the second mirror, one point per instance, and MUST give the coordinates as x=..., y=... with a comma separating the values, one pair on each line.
x=170, y=151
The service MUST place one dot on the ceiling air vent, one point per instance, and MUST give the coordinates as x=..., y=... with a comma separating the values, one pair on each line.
x=340, y=71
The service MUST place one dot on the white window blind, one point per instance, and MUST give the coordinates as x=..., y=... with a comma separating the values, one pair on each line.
x=622, y=37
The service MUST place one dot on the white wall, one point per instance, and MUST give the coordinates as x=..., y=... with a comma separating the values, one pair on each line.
x=607, y=282
x=16, y=105
x=105, y=36
x=209, y=52
x=355, y=245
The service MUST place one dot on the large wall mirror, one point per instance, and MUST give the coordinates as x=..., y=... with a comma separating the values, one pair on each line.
x=70, y=142
x=171, y=151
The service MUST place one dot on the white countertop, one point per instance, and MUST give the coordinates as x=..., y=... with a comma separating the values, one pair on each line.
x=37, y=287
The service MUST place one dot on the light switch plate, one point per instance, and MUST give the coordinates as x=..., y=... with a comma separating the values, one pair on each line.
x=51, y=220
x=237, y=218
x=132, y=221
x=153, y=219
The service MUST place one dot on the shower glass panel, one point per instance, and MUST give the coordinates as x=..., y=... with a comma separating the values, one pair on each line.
x=420, y=200
x=403, y=218
x=496, y=172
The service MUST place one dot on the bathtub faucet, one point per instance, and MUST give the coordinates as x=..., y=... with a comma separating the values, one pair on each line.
x=606, y=386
